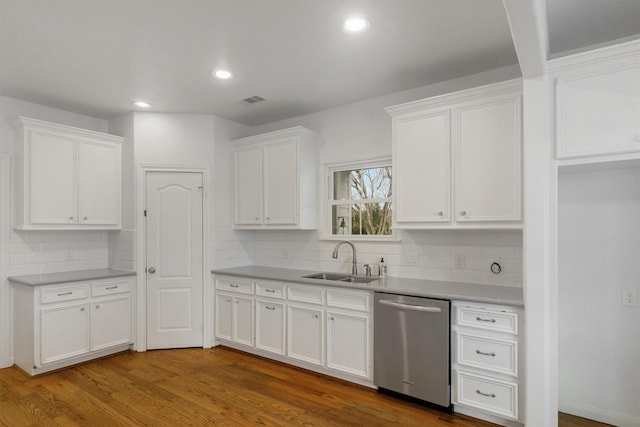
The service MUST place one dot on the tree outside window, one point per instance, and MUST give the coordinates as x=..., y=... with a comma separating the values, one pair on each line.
x=361, y=200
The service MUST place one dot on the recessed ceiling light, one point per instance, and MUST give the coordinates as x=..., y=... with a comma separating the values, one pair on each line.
x=355, y=25
x=222, y=74
x=141, y=104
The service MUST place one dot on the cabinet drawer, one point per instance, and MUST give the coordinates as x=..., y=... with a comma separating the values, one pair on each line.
x=487, y=394
x=350, y=300
x=64, y=293
x=305, y=294
x=491, y=320
x=233, y=285
x=487, y=353
x=272, y=290
x=112, y=287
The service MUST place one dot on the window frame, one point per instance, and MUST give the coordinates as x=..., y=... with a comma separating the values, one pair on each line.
x=329, y=202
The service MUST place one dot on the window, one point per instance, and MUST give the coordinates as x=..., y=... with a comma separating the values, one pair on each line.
x=360, y=199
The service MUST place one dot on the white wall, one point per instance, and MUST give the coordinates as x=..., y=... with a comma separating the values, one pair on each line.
x=228, y=248
x=599, y=255
x=360, y=131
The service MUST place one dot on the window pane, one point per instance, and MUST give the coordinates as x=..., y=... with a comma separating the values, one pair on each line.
x=362, y=219
x=358, y=184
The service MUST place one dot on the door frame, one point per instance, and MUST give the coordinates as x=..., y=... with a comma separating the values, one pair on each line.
x=141, y=253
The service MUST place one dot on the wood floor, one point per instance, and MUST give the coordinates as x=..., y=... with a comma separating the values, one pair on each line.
x=201, y=387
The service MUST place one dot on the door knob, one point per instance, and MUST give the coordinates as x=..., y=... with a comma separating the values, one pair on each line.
x=151, y=270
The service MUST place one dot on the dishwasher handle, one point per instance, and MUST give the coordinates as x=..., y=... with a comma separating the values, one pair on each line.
x=412, y=307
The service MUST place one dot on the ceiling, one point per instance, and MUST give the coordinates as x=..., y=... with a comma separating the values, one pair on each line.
x=95, y=57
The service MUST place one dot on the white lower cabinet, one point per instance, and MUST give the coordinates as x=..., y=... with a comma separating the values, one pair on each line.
x=61, y=324
x=487, y=360
x=270, y=326
x=305, y=334
x=320, y=328
x=348, y=343
x=64, y=332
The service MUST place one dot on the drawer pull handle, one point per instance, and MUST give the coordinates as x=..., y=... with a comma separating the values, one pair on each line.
x=233, y=286
x=271, y=291
x=269, y=308
x=480, y=319
x=65, y=294
x=492, y=395
x=492, y=354
x=111, y=287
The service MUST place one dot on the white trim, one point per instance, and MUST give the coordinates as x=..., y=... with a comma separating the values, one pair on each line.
x=598, y=414
x=328, y=201
x=141, y=254
x=6, y=335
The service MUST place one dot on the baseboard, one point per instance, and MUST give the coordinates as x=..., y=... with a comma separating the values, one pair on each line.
x=598, y=414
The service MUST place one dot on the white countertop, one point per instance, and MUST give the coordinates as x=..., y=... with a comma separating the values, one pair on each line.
x=69, y=276
x=506, y=295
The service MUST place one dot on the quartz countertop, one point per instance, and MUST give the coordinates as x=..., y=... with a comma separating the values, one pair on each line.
x=69, y=276
x=507, y=295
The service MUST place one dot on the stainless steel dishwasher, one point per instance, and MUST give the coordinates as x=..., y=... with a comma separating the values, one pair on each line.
x=411, y=347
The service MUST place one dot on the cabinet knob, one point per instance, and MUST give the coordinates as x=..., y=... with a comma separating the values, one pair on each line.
x=81, y=308
x=463, y=213
x=71, y=218
x=268, y=218
x=315, y=316
x=151, y=270
x=85, y=218
x=97, y=306
x=440, y=213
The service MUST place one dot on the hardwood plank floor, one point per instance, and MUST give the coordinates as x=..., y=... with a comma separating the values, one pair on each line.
x=201, y=387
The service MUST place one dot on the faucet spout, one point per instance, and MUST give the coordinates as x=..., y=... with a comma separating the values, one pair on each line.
x=354, y=268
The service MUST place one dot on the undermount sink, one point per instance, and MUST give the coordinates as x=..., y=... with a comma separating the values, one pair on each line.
x=328, y=276
x=340, y=277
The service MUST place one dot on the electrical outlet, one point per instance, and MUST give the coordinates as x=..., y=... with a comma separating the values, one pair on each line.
x=412, y=259
x=630, y=297
x=460, y=261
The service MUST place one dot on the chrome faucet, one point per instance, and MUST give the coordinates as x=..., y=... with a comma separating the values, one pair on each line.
x=354, y=268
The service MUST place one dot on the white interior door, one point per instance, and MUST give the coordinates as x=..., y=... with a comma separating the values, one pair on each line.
x=174, y=259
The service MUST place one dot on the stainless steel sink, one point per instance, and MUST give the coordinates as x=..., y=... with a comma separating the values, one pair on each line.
x=358, y=279
x=340, y=277
x=328, y=276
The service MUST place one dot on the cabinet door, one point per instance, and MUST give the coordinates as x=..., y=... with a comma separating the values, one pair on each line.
x=348, y=343
x=305, y=334
x=110, y=322
x=53, y=197
x=243, y=320
x=248, y=186
x=98, y=183
x=64, y=332
x=280, y=182
x=270, y=324
x=224, y=317
x=488, y=141
x=421, y=167
x=598, y=111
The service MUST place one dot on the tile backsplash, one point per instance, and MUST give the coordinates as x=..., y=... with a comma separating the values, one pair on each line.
x=449, y=255
x=38, y=252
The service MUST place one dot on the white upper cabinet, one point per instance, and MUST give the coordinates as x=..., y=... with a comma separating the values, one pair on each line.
x=66, y=178
x=488, y=160
x=422, y=166
x=598, y=102
x=275, y=180
x=457, y=159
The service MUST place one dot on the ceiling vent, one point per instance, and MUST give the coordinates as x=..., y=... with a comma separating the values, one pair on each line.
x=254, y=99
